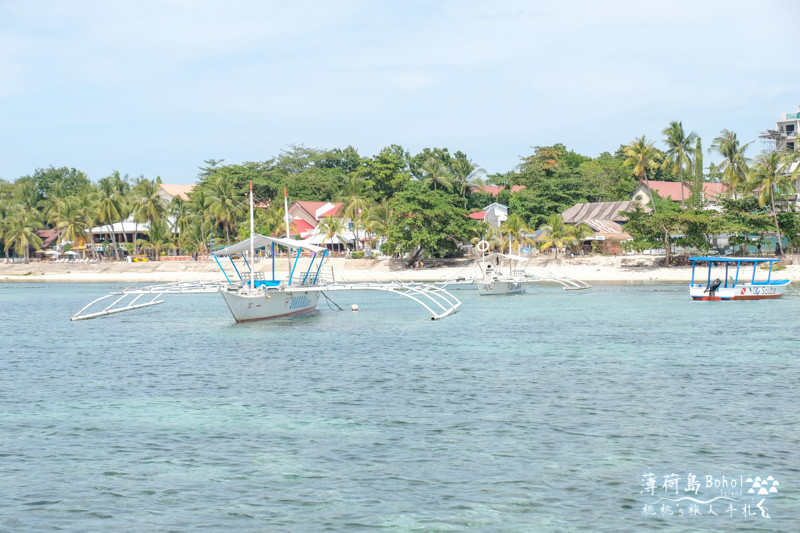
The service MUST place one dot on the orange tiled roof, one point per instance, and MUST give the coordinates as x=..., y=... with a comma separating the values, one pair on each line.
x=174, y=190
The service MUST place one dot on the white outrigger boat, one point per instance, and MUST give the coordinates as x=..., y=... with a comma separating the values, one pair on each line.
x=505, y=274
x=502, y=275
x=729, y=287
x=250, y=296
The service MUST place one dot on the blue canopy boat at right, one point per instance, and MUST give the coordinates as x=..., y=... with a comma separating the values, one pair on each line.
x=727, y=285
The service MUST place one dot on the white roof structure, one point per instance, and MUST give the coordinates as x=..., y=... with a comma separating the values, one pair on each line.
x=260, y=241
x=127, y=226
x=345, y=237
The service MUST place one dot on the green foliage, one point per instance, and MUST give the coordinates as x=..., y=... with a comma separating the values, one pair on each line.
x=550, y=192
x=429, y=220
x=358, y=255
x=606, y=179
x=59, y=182
x=387, y=173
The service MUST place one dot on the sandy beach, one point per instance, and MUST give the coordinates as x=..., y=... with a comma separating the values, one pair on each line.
x=632, y=268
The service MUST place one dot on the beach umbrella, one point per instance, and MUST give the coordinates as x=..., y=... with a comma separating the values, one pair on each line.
x=70, y=252
x=54, y=253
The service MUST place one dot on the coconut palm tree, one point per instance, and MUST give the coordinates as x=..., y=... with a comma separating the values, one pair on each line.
x=378, y=218
x=109, y=211
x=69, y=220
x=330, y=227
x=148, y=204
x=353, y=201
x=515, y=227
x=225, y=206
x=679, y=150
x=771, y=176
x=159, y=238
x=436, y=174
x=466, y=175
x=20, y=231
x=557, y=234
x=641, y=155
x=184, y=219
x=88, y=209
x=734, y=164
x=200, y=203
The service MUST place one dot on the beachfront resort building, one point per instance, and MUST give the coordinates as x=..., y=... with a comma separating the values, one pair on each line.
x=605, y=219
x=304, y=220
x=784, y=136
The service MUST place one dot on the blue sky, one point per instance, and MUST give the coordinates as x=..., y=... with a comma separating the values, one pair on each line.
x=154, y=88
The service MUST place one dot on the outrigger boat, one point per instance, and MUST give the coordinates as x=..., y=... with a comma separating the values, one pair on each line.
x=502, y=275
x=250, y=296
x=729, y=287
x=505, y=274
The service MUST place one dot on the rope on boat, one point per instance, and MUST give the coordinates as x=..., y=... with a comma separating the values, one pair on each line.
x=329, y=302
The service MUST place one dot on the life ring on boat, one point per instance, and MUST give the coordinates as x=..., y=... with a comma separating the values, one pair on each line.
x=482, y=246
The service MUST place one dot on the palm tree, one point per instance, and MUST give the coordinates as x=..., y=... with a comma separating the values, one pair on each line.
x=641, y=155
x=353, y=202
x=734, y=164
x=20, y=231
x=378, y=218
x=436, y=173
x=87, y=208
x=771, y=176
x=109, y=211
x=515, y=227
x=466, y=175
x=679, y=149
x=271, y=220
x=158, y=238
x=184, y=219
x=148, y=205
x=330, y=227
x=200, y=203
x=69, y=220
x=557, y=234
x=224, y=205
x=5, y=223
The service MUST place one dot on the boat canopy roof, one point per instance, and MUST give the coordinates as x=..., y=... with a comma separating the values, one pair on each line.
x=261, y=241
x=707, y=259
x=510, y=257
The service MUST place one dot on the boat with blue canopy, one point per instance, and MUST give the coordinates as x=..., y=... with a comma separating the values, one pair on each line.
x=739, y=280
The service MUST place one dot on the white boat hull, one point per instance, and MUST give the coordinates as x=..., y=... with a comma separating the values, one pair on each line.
x=499, y=286
x=745, y=291
x=251, y=305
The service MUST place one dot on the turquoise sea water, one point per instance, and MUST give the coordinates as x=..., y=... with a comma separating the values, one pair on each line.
x=539, y=412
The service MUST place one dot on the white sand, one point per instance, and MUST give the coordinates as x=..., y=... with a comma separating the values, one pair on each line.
x=634, y=268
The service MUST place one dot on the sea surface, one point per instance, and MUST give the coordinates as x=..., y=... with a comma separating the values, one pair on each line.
x=610, y=409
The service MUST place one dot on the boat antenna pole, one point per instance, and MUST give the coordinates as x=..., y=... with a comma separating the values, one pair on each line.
x=252, y=236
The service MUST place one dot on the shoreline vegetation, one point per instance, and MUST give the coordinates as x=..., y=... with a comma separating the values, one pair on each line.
x=592, y=269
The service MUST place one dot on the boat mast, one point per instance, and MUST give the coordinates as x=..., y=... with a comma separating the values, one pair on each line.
x=252, y=239
x=288, y=236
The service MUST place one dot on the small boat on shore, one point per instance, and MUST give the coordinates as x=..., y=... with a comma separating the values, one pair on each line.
x=729, y=286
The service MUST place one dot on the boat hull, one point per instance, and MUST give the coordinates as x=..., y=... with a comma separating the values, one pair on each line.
x=740, y=292
x=249, y=306
x=498, y=287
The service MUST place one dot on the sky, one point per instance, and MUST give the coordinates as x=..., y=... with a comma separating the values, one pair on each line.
x=155, y=88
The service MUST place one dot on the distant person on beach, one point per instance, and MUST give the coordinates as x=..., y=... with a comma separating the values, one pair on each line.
x=758, y=248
